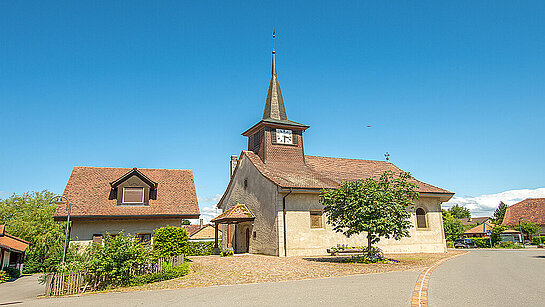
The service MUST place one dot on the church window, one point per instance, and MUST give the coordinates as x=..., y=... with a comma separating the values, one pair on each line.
x=133, y=195
x=316, y=219
x=421, y=218
x=245, y=183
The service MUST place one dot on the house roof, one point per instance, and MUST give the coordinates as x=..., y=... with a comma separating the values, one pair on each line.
x=530, y=210
x=473, y=220
x=88, y=190
x=8, y=241
x=237, y=213
x=482, y=228
x=324, y=172
x=192, y=229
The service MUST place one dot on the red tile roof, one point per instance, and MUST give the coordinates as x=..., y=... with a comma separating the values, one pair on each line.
x=530, y=210
x=11, y=242
x=192, y=229
x=88, y=189
x=323, y=172
x=482, y=228
x=237, y=212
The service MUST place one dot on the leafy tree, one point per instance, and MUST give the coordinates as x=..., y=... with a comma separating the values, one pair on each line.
x=529, y=228
x=30, y=217
x=170, y=241
x=499, y=213
x=454, y=229
x=496, y=233
x=378, y=207
x=459, y=212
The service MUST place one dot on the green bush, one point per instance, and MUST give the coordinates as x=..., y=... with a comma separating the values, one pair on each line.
x=227, y=252
x=535, y=240
x=507, y=244
x=160, y=276
x=201, y=248
x=116, y=257
x=170, y=241
x=481, y=242
x=3, y=276
x=12, y=272
x=450, y=244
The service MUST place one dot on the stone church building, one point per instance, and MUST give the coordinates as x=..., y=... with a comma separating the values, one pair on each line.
x=272, y=201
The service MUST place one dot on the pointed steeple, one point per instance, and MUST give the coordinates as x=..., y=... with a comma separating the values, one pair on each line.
x=274, y=105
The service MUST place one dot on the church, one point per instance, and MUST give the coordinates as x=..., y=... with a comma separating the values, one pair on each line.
x=271, y=204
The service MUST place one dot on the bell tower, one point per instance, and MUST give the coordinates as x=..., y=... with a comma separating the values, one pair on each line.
x=275, y=139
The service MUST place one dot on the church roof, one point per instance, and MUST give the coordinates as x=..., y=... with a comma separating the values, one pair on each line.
x=324, y=172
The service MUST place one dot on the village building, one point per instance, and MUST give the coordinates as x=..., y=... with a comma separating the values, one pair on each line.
x=12, y=250
x=200, y=232
x=271, y=203
x=106, y=200
x=528, y=210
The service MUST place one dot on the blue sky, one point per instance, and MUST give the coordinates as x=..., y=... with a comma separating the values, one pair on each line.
x=454, y=91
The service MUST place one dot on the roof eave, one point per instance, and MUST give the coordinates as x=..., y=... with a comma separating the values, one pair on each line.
x=274, y=124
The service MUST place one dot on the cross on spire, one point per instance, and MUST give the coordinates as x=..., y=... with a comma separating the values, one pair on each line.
x=387, y=155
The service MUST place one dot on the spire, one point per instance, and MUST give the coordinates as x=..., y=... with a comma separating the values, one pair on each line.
x=274, y=105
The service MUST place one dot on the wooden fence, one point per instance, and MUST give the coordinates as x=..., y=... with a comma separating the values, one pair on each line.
x=79, y=282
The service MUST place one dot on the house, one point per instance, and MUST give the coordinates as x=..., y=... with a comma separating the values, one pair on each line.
x=200, y=232
x=271, y=203
x=12, y=250
x=528, y=210
x=474, y=221
x=479, y=231
x=136, y=201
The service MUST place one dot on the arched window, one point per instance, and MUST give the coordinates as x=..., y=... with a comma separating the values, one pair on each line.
x=421, y=218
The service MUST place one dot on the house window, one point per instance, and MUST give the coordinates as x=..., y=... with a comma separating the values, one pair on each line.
x=143, y=237
x=316, y=220
x=97, y=238
x=421, y=218
x=133, y=195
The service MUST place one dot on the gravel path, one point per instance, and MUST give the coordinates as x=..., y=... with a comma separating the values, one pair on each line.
x=242, y=269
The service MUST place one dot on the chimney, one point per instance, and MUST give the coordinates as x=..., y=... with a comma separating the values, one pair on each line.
x=200, y=223
x=233, y=164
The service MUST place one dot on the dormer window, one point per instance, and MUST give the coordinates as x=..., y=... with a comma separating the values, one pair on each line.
x=133, y=195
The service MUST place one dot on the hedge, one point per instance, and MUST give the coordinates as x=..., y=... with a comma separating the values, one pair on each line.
x=160, y=276
x=535, y=240
x=3, y=276
x=12, y=272
x=481, y=242
x=201, y=248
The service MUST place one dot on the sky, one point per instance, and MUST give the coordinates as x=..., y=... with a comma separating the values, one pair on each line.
x=453, y=91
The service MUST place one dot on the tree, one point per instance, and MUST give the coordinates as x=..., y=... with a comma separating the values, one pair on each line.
x=499, y=213
x=529, y=228
x=459, y=212
x=454, y=229
x=378, y=207
x=30, y=217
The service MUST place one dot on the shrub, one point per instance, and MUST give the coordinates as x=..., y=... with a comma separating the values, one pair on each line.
x=12, y=272
x=170, y=241
x=160, y=276
x=201, y=248
x=536, y=240
x=481, y=242
x=116, y=257
x=3, y=276
x=507, y=244
x=227, y=252
x=450, y=244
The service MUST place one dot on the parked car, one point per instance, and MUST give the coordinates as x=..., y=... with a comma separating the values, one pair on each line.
x=464, y=243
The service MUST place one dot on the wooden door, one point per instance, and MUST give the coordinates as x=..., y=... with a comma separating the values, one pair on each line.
x=247, y=239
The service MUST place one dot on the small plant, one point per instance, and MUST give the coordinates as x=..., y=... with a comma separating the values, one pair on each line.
x=160, y=276
x=450, y=244
x=12, y=272
x=3, y=276
x=507, y=244
x=227, y=252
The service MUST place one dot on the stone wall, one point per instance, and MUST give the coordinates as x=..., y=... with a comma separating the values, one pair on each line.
x=259, y=196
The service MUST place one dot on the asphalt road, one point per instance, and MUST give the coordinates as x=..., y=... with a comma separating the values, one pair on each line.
x=490, y=278
x=23, y=290
x=388, y=289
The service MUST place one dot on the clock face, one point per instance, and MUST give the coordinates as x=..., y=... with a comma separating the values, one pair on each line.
x=284, y=136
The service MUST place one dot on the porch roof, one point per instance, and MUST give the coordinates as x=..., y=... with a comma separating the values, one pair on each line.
x=238, y=213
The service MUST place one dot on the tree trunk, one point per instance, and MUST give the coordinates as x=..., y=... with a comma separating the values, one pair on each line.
x=369, y=241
